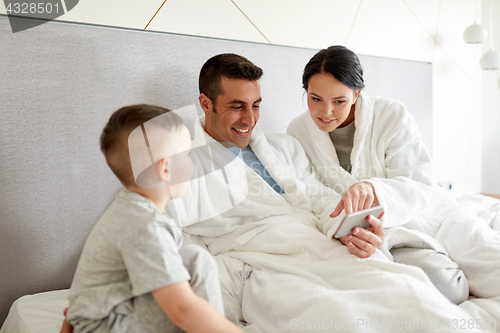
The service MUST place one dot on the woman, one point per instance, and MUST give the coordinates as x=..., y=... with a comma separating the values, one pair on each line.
x=369, y=149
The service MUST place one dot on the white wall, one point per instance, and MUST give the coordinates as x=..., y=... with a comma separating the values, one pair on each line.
x=491, y=108
x=423, y=30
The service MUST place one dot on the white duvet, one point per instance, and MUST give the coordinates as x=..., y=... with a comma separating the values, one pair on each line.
x=278, y=266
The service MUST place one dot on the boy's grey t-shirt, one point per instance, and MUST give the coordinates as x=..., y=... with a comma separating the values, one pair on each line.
x=132, y=250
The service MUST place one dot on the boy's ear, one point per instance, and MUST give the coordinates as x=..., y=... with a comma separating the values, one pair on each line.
x=205, y=103
x=164, y=170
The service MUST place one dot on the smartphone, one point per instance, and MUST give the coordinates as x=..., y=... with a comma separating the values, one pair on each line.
x=357, y=219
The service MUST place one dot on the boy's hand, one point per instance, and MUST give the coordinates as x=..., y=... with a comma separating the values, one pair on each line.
x=364, y=242
x=66, y=327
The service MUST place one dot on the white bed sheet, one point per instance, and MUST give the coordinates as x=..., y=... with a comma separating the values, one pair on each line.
x=38, y=313
x=485, y=207
x=43, y=313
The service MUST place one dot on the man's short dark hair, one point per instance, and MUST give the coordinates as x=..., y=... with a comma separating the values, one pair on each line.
x=230, y=65
x=114, y=137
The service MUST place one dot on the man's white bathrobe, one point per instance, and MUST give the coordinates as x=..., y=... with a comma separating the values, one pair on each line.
x=278, y=271
x=389, y=153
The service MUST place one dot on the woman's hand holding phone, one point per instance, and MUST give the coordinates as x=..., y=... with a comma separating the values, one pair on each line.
x=364, y=242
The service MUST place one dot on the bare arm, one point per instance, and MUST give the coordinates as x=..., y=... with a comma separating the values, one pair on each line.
x=191, y=312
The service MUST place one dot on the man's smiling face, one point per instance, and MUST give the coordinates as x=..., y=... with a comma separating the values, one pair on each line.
x=235, y=112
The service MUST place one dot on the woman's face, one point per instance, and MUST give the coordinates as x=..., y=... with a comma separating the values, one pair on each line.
x=330, y=102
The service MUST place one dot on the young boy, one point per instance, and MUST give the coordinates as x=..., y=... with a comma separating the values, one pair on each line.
x=132, y=275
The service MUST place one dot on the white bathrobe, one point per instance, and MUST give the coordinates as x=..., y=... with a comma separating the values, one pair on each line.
x=389, y=153
x=278, y=271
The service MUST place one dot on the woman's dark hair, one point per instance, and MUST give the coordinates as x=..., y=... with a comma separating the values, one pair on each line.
x=338, y=61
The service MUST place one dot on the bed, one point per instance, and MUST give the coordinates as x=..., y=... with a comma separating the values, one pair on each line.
x=61, y=81
x=43, y=312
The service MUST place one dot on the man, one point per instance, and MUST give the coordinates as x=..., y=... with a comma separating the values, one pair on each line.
x=265, y=216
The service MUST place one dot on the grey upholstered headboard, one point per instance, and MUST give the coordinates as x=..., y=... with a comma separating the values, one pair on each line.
x=59, y=83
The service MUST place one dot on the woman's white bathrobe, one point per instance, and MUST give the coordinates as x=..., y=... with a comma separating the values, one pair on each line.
x=278, y=271
x=389, y=153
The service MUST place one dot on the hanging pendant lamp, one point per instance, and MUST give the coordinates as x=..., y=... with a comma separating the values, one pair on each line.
x=475, y=34
x=491, y=59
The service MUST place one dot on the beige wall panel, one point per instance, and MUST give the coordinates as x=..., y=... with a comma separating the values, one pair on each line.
x=427, y=12
x=116, y=13
x=455, y=17
x=388, y=28
x=491, y=107
x=315, y=23
x=214, y=18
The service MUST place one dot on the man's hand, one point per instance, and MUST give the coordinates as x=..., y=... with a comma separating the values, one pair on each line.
x=358, y=197
x=364, y=242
